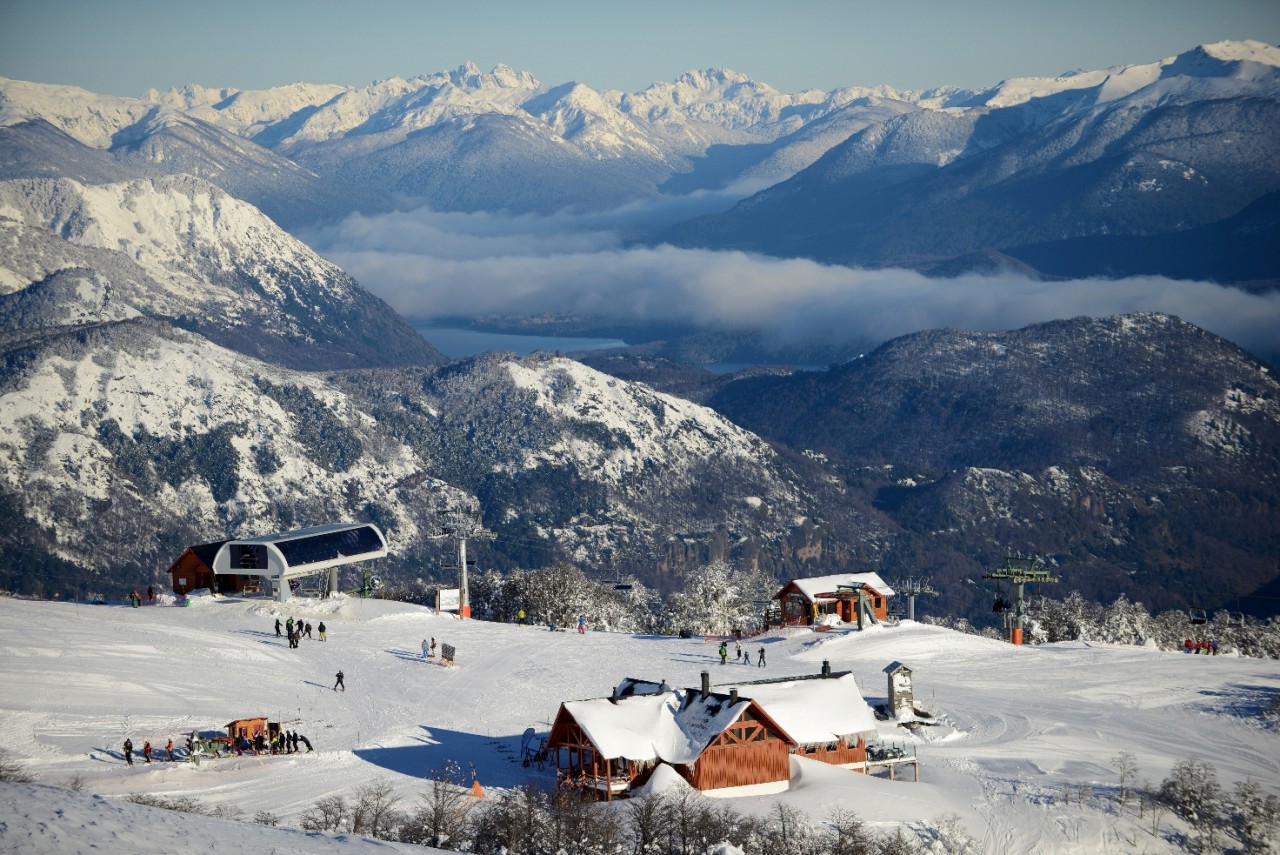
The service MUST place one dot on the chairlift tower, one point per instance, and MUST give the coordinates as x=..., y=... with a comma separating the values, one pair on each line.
x=913, y=588
x=461, y=528
x=1018, y=570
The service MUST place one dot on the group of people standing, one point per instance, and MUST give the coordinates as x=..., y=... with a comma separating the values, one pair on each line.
x=1207, y=648
x=740, y=655
x=296, y=630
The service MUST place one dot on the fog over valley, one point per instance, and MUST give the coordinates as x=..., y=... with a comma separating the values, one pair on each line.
x=431, y=264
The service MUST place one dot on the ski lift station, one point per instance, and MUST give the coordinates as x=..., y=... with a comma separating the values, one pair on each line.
x=245, y=565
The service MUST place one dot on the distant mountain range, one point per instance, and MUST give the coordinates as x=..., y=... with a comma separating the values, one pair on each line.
x=175, y=367
x=1090, y=173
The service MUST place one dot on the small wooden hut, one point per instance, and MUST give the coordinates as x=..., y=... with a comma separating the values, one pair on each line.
x=806, y=602
x=194, y=570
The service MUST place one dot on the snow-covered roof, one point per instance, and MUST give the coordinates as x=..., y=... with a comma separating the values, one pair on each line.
x=812, y=587
x=812, y=709
x=674, y=726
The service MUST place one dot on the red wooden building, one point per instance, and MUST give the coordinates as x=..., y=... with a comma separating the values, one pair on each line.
x=824, y=714
x=714, y=740
x=808, y=602
x=194, y=570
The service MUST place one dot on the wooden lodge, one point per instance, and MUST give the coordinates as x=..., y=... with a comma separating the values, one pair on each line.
x=717, y=739
x=850, y=597
x=825, y=715
x=714, y=740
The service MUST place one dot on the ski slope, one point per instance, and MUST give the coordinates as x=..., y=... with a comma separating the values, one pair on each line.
x=1013, y=725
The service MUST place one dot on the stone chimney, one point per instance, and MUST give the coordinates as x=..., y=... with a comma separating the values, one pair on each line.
x=826, y=668
x=733, y=695
x=706, y=684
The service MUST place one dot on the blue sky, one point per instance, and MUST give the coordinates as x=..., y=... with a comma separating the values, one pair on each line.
x=126, y=47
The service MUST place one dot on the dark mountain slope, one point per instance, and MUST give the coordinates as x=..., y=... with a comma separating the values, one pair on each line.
x=1140, y=450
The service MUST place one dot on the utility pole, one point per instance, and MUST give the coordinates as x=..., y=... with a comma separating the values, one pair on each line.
x=913, y=588
x=463, y=527
x=1019, y=571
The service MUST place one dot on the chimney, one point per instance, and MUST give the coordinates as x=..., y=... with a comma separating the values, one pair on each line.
x=733, y=695
x=706, y=684
x=826, y=668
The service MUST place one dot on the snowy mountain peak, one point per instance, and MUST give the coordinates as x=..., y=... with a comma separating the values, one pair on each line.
x=469, y=76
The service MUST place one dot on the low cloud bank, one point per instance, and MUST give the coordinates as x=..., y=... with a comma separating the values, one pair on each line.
x=429, y=264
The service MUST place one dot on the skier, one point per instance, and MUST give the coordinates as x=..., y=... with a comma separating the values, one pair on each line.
x=309, y=631
x=151, y=594
x=521, y=617
x=169, y=750
x=277, y=627
x=724, y=652
x=433, y=647
x=424, y=648
x=582, y=623
x=761, y=664
x=288, y=625
x=128, y=751
x=321, y=629
x=737, y=652
x=339, y=683
x=146, y=751
x=1187, y=645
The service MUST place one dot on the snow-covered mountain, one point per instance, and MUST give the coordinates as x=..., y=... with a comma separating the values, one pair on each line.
x=181, y=249
x=121, y=443
x=462, y=139
x=1129, y=151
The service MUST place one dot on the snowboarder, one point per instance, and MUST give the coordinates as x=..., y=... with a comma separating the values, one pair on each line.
x=424, y=649
x=305, y=741
x=277, y=627
x=146, y=751
x=151, y=594
x=309, y=631
x=321, y=630
x=339, y=683
x=724, y=652
x=582, y=623
x=433, y=647
x=169, y=750
x=761, y=663
x=128, y=751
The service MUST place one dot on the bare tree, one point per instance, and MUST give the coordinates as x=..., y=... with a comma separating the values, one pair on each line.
x=1126, y=766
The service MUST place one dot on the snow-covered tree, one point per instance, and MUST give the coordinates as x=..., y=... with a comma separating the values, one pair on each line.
x=717, y=599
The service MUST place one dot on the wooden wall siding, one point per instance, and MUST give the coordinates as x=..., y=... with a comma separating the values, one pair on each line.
x=836, y=753
x=747, y=752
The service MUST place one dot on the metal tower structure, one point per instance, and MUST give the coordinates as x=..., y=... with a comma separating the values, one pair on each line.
x=462, y=527
x=913, y=588
x=1018, y=571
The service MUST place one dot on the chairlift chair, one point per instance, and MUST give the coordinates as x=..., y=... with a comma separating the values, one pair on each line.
x=1198, y=617
x=1235, y=619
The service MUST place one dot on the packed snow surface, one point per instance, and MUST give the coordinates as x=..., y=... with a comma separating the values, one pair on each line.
x=1012, y=726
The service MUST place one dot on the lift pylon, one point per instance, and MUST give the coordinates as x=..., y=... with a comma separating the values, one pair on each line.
x=1018, y=571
